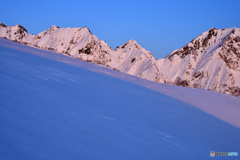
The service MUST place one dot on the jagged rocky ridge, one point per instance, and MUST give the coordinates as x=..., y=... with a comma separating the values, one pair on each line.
x=210, y=61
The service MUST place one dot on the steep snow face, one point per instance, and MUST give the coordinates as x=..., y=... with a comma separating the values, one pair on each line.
x=131, y=58
x=211, y=61
x=76, y=42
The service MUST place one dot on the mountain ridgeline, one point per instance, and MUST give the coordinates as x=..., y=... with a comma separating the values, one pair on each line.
x=210, y=61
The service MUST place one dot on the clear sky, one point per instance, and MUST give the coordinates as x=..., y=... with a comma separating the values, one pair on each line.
x=158, y=26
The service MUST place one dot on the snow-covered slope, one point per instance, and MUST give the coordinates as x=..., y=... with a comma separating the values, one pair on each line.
x=55, y=107
x=210, y=61
x=80, y=43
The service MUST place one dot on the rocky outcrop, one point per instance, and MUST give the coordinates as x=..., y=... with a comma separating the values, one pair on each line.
x=210, y=61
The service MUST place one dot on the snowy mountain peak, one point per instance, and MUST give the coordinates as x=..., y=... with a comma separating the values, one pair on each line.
x=20, y=28
x=204, y=43
x=2, y=25
x=132, y=43
x=54, y=27
x=210, y=61
x=17, y=33
x=86, y=28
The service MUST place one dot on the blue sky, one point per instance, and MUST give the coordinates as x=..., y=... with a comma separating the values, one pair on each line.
x=158, y=26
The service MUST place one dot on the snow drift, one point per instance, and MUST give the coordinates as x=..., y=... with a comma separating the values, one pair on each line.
x=55, y=107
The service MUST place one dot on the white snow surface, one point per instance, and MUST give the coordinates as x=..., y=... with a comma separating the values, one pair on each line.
x=56, y=107
x=211, y=61
x=80, y=43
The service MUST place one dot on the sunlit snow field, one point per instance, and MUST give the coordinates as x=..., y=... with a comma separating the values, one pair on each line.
x=56, y=107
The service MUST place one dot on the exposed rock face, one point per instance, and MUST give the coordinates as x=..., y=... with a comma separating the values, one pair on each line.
x=94, y=52
x=2, y=25
x=210, y=61
x=17, y=33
